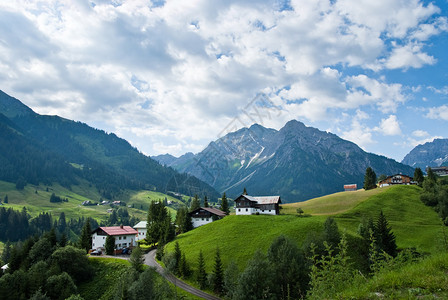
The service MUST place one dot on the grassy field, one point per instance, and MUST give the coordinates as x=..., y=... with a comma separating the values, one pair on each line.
x=426, y=279
x=37, y=199
x=107, y=272
x=238, y=237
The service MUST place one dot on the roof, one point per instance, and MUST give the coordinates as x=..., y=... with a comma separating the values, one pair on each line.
x=350, y=186
x=141, y=224
x=211, y=210
x=118, y=230
x=263, y=199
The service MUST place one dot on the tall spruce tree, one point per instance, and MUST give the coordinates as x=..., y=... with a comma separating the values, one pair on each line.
x=109, y=245
x=205, y=201
x=369, y=179
x=218, y=272
x=418, y=176
x=225, y=204
x=201, y=276
x=195, y=204
x=385, y=238
x=85, y=240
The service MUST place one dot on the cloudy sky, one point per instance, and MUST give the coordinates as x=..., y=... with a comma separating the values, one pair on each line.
x=170, y=76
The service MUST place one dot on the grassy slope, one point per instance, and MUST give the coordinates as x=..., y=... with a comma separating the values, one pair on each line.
x=107, y=272
x=238, y=237
x=40, y=201
x=424, y=280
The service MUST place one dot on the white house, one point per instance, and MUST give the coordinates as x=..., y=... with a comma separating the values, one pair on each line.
x=205, y=215
x=141, y=229
x=125, y=236
x=249, y=205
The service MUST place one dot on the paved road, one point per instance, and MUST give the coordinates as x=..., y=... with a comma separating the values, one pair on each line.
x=151, y=261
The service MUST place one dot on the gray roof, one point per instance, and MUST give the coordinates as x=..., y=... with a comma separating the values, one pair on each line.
x=264, y=199
x=141, y=224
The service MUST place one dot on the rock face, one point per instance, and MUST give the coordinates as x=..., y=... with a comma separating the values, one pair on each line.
x=296, y=162
x=431, y=154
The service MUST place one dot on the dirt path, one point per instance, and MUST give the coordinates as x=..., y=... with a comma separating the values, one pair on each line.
x=151, y=261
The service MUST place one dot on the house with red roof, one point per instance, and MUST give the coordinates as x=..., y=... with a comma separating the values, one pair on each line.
x=125, y=236
x=205, y=215
x=250, y=205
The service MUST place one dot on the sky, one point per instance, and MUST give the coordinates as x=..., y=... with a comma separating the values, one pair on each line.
x=171, y=76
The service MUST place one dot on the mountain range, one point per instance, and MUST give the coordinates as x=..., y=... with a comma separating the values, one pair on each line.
x=431, y=154
x=38, y=148
x=296, y=162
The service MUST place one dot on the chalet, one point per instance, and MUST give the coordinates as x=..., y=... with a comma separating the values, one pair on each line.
x=439, y=171
x=249, y=205
x=396, y=179
x=125, y=236
x=141, y=229
x=350, y=187
x=205, y=215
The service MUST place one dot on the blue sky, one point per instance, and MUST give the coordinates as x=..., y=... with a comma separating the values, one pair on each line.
x=171, y=76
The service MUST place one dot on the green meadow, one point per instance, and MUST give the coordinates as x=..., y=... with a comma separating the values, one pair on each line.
x=238, y=237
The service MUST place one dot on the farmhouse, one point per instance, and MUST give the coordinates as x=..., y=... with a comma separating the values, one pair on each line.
x=141, y=229
x=350, y=187
x=249, y=205
x=396, y=179
x=205, y=215
x=439, y=171
x=125, y=236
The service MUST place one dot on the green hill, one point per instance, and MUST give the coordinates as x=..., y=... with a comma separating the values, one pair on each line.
x=238, y=237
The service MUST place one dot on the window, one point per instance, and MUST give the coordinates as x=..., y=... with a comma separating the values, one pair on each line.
x=104, y=237
x=239, y=209
x=269, y=210
x=246, y=209
x=207, y=220
x=202, y=219
x=119, y=237
x=124, y=238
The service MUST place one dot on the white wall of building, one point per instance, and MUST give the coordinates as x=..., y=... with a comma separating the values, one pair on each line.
x=121, y=241
x=253, y=211
x=141, y=234
x=200, y=221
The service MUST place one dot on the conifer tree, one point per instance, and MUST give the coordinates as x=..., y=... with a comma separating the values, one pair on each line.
x=6, y=200
x=385, y=238
x=418, y=176
x=202, y=274
x=225, y=204
x=218, y=273
x=177, y=258
x=109, y=245
x=205, y=201
x=85, y=240
x=369, y=179
x=195, y=204
x=244, y=191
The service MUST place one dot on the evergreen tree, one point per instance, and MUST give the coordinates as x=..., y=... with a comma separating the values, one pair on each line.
x=369, y=179
x=137, y=260
x=6, y=200
x=230, y=279
x=205, y=201
x=385, y=238
x=431, y=176
x=218, y=272
x=195, y=204
x=85, y=240
x=109, y=244
x=418, y=176
x=202, y=274
x=184, y=267
x=225, y=204
x=177, y=258
x=331, y=232
x=62, y=223
x=244, y=191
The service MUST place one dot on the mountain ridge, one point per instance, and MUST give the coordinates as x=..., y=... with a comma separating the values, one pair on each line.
x=297, y=161
x=430, y=154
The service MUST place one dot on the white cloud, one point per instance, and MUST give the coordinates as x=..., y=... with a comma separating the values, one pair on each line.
x=420, y=133
x=440, y=113
x=389, y=126
x=186, y=68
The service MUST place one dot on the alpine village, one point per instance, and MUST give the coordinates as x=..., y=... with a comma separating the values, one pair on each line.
x=284, y=104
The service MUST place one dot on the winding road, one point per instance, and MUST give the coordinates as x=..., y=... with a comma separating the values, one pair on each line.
x=151, y=261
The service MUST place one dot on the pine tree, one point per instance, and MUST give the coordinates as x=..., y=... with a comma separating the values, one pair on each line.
x=184, y=267
x=369, y=179
x=331, y=232
x=225, y=204
x=137, y=260
x=244, y=191
x=202, y=274
x=384, y=236
x=6, y=200
x=218, y=273
x=109, y=245
x=205, y=201
x=177, y=257
x=195, y=203
x=418, y=176
x=431, y=175
x=85, y=240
